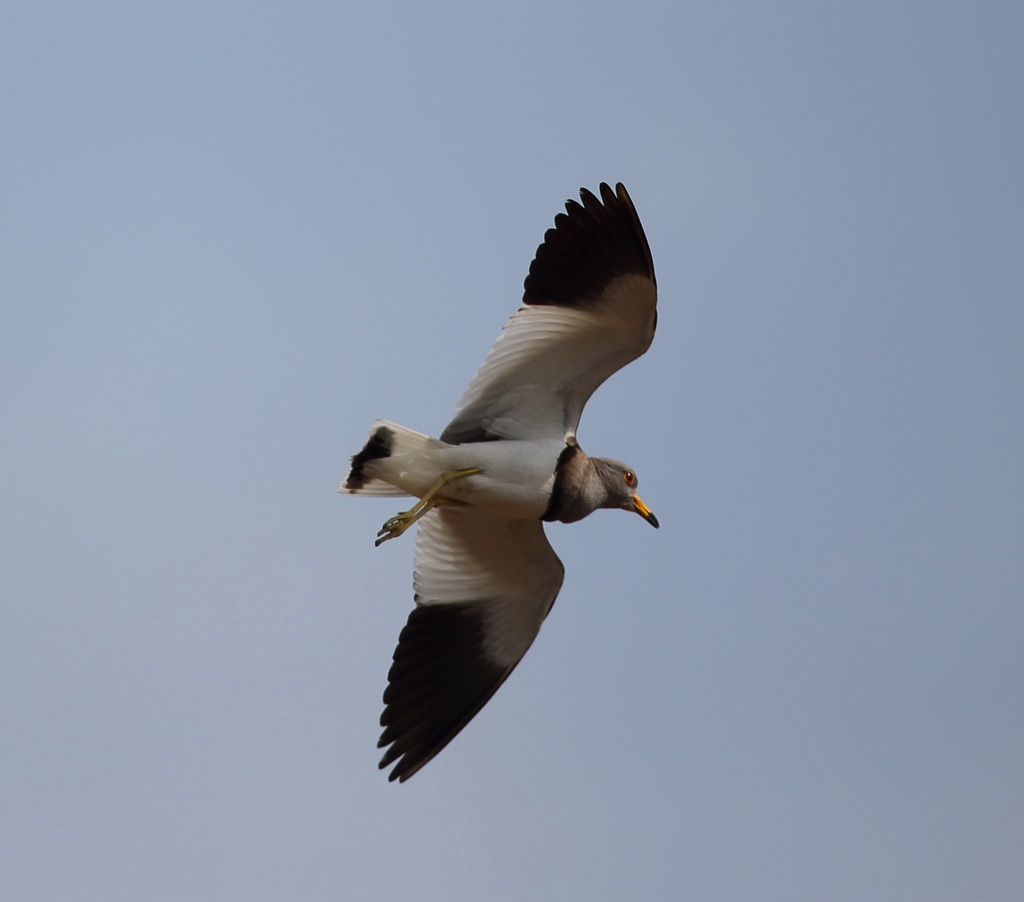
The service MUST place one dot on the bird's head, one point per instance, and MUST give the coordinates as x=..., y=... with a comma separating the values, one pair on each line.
x=620, y=483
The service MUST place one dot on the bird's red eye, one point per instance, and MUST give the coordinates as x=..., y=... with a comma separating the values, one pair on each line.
x=630, y=478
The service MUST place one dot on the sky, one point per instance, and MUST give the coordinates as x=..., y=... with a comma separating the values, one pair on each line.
x=234, y=234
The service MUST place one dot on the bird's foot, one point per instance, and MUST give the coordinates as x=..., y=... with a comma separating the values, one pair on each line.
x=400, y=522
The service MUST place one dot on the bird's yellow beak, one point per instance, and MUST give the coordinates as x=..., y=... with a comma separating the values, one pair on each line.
x=644, y=511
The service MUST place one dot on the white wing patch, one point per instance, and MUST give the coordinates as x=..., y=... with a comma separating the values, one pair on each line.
x=504, y=565
x=549, y=360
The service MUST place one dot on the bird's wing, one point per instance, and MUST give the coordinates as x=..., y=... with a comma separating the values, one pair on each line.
x=589, y=308
x=484, y=585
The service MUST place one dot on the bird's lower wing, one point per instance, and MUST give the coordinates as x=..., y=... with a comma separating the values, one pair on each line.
x=484, y=585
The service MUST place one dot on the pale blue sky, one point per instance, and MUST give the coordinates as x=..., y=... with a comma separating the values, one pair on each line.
x=233, y=234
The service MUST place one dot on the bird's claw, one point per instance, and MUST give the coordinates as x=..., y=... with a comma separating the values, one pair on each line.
x=394, y=527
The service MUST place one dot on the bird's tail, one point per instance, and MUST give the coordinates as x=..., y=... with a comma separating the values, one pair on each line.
x=386, y=440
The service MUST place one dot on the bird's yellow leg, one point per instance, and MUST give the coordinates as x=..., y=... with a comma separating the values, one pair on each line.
x=399, y=523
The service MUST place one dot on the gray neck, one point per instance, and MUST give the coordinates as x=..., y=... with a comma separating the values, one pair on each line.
x=579, y=489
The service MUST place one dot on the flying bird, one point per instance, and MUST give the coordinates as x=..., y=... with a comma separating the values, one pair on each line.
x=485, y=576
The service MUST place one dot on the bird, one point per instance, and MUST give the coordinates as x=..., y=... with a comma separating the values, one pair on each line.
x=485, y=575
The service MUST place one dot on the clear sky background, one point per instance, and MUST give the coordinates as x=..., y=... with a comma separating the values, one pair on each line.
x=233, y=234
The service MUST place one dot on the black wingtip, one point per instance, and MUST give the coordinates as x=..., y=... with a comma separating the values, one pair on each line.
x=441, y=677
x=593, y=241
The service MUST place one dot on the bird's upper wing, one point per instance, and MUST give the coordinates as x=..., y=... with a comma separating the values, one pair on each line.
x=588, y=310
x=484, y=585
